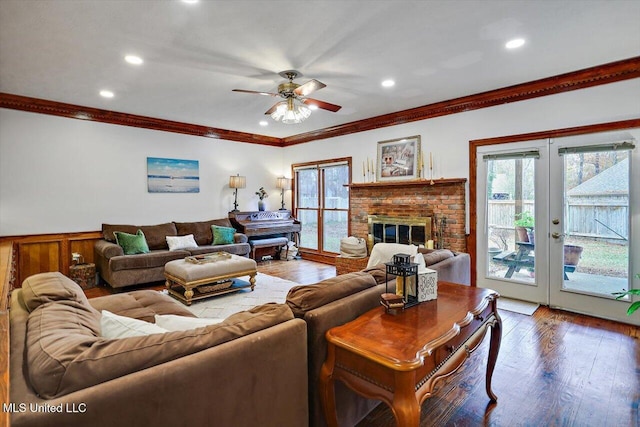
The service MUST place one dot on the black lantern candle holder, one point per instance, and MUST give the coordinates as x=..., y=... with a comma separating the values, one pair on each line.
x=406, y=273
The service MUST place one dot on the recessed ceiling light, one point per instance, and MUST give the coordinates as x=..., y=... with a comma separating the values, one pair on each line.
x=514, y=44
x=190, y=1
x=264, y=123
x=132, y=59
x=388, y=83
x=106, y=94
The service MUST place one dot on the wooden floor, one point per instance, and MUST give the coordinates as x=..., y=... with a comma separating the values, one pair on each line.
x=554, y=369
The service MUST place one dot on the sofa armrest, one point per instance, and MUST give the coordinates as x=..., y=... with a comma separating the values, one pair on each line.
x=456, y=269
x=240, y=238
x=107, y=249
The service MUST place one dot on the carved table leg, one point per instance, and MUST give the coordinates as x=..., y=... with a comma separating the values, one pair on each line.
x=252, y=280
x=406, y=407
x=327, y=388
x=496, y=338
x=188, y=294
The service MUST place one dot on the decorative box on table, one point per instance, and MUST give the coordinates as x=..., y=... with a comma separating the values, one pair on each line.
x=427, y=285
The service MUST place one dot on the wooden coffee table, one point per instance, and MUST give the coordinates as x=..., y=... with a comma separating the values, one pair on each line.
x=399, y=358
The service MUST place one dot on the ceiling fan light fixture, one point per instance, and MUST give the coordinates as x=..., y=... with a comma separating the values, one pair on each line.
x=291, y=111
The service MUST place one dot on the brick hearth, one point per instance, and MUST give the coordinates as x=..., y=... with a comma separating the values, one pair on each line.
x=411, y=199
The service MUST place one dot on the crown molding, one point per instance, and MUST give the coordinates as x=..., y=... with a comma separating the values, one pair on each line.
x=588, y=77
x=43, y=106
x=593, y=76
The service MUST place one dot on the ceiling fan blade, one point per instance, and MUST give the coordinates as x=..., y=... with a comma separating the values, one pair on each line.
x=321, y=104
x=309, y=87
x=255, y=92
x=272, y=109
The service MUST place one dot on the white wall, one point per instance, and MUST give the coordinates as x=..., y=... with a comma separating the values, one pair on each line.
x=448, y=137
x=64, y=175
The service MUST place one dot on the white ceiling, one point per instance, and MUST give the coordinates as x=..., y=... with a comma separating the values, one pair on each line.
x=194, y=55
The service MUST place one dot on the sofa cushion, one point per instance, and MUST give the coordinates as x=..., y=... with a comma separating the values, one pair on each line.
x=155, y=234
x=114, y=326
x=434, y=256
x=181, y=242
x=44, y=288
x=152, y=259
x=143, y=305
x=65, y=353
x=308, y=297
x=132, y=244
x=201, y=230
x=222, y=235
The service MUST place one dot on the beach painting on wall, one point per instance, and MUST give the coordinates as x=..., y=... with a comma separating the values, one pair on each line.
x=172, y=175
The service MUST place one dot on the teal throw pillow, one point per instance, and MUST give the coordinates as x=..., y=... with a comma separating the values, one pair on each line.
x=132, y=243
x=222, y=235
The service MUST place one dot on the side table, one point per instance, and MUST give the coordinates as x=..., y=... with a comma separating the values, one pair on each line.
x=84, y=275
x=399, y=358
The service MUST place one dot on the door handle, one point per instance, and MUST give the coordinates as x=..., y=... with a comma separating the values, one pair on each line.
x=556, y=235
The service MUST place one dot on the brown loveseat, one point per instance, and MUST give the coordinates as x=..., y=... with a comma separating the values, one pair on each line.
x=119, y=270
x=63, y=372
x=341, y=299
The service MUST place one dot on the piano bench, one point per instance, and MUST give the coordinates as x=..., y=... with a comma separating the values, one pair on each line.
x=270, y=243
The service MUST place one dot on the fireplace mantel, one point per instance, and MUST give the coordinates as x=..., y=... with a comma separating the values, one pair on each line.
x=442, y=181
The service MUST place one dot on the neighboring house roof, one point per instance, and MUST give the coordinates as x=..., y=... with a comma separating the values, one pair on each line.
x=614, y=180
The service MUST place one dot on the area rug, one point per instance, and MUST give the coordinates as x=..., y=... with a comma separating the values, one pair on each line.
x=517, y=306
x=267, y=289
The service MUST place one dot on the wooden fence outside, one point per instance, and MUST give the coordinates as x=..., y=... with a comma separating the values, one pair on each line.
x=590, y=218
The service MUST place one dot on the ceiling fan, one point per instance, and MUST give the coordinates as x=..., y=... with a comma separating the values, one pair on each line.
x=296, y=105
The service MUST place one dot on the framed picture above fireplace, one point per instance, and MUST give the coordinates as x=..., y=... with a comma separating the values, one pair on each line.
x=399, y=159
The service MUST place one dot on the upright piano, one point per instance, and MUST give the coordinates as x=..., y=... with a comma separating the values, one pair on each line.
x=265, y=224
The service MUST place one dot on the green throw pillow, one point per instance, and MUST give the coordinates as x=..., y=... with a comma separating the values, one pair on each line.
x=222, y=235
x=132, y=243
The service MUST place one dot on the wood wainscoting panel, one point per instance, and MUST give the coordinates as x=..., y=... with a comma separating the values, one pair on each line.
x=50, y=252
x=38, y=257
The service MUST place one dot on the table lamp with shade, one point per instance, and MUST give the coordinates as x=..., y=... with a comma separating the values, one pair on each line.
x=283, y=184
x=236, y=182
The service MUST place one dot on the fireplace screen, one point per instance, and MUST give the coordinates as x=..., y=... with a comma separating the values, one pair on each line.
x=405, y=230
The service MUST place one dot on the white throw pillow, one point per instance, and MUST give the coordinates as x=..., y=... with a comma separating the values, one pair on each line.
x=384, y=252
x=181, y=242
x=173, y=322
x=114, y=326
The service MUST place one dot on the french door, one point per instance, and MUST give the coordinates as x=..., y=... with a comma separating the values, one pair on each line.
x=559, y=217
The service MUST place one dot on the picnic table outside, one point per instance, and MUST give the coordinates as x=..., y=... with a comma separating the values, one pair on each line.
x=524, y=256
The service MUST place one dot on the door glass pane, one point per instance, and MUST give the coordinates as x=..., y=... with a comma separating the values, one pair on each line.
x=307, y=188
x=596, y=222
x=309, y=223
x=334, y=228
x=336, y=195
x=510, y=227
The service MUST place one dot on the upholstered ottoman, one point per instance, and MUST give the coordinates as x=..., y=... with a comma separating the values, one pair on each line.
x=203, y=276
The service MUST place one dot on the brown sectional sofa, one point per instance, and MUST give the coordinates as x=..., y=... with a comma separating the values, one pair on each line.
x=213, y=375
x=202, y=377
x=120, y=270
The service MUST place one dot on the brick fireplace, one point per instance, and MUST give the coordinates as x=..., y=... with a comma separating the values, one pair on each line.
x=420, y=198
